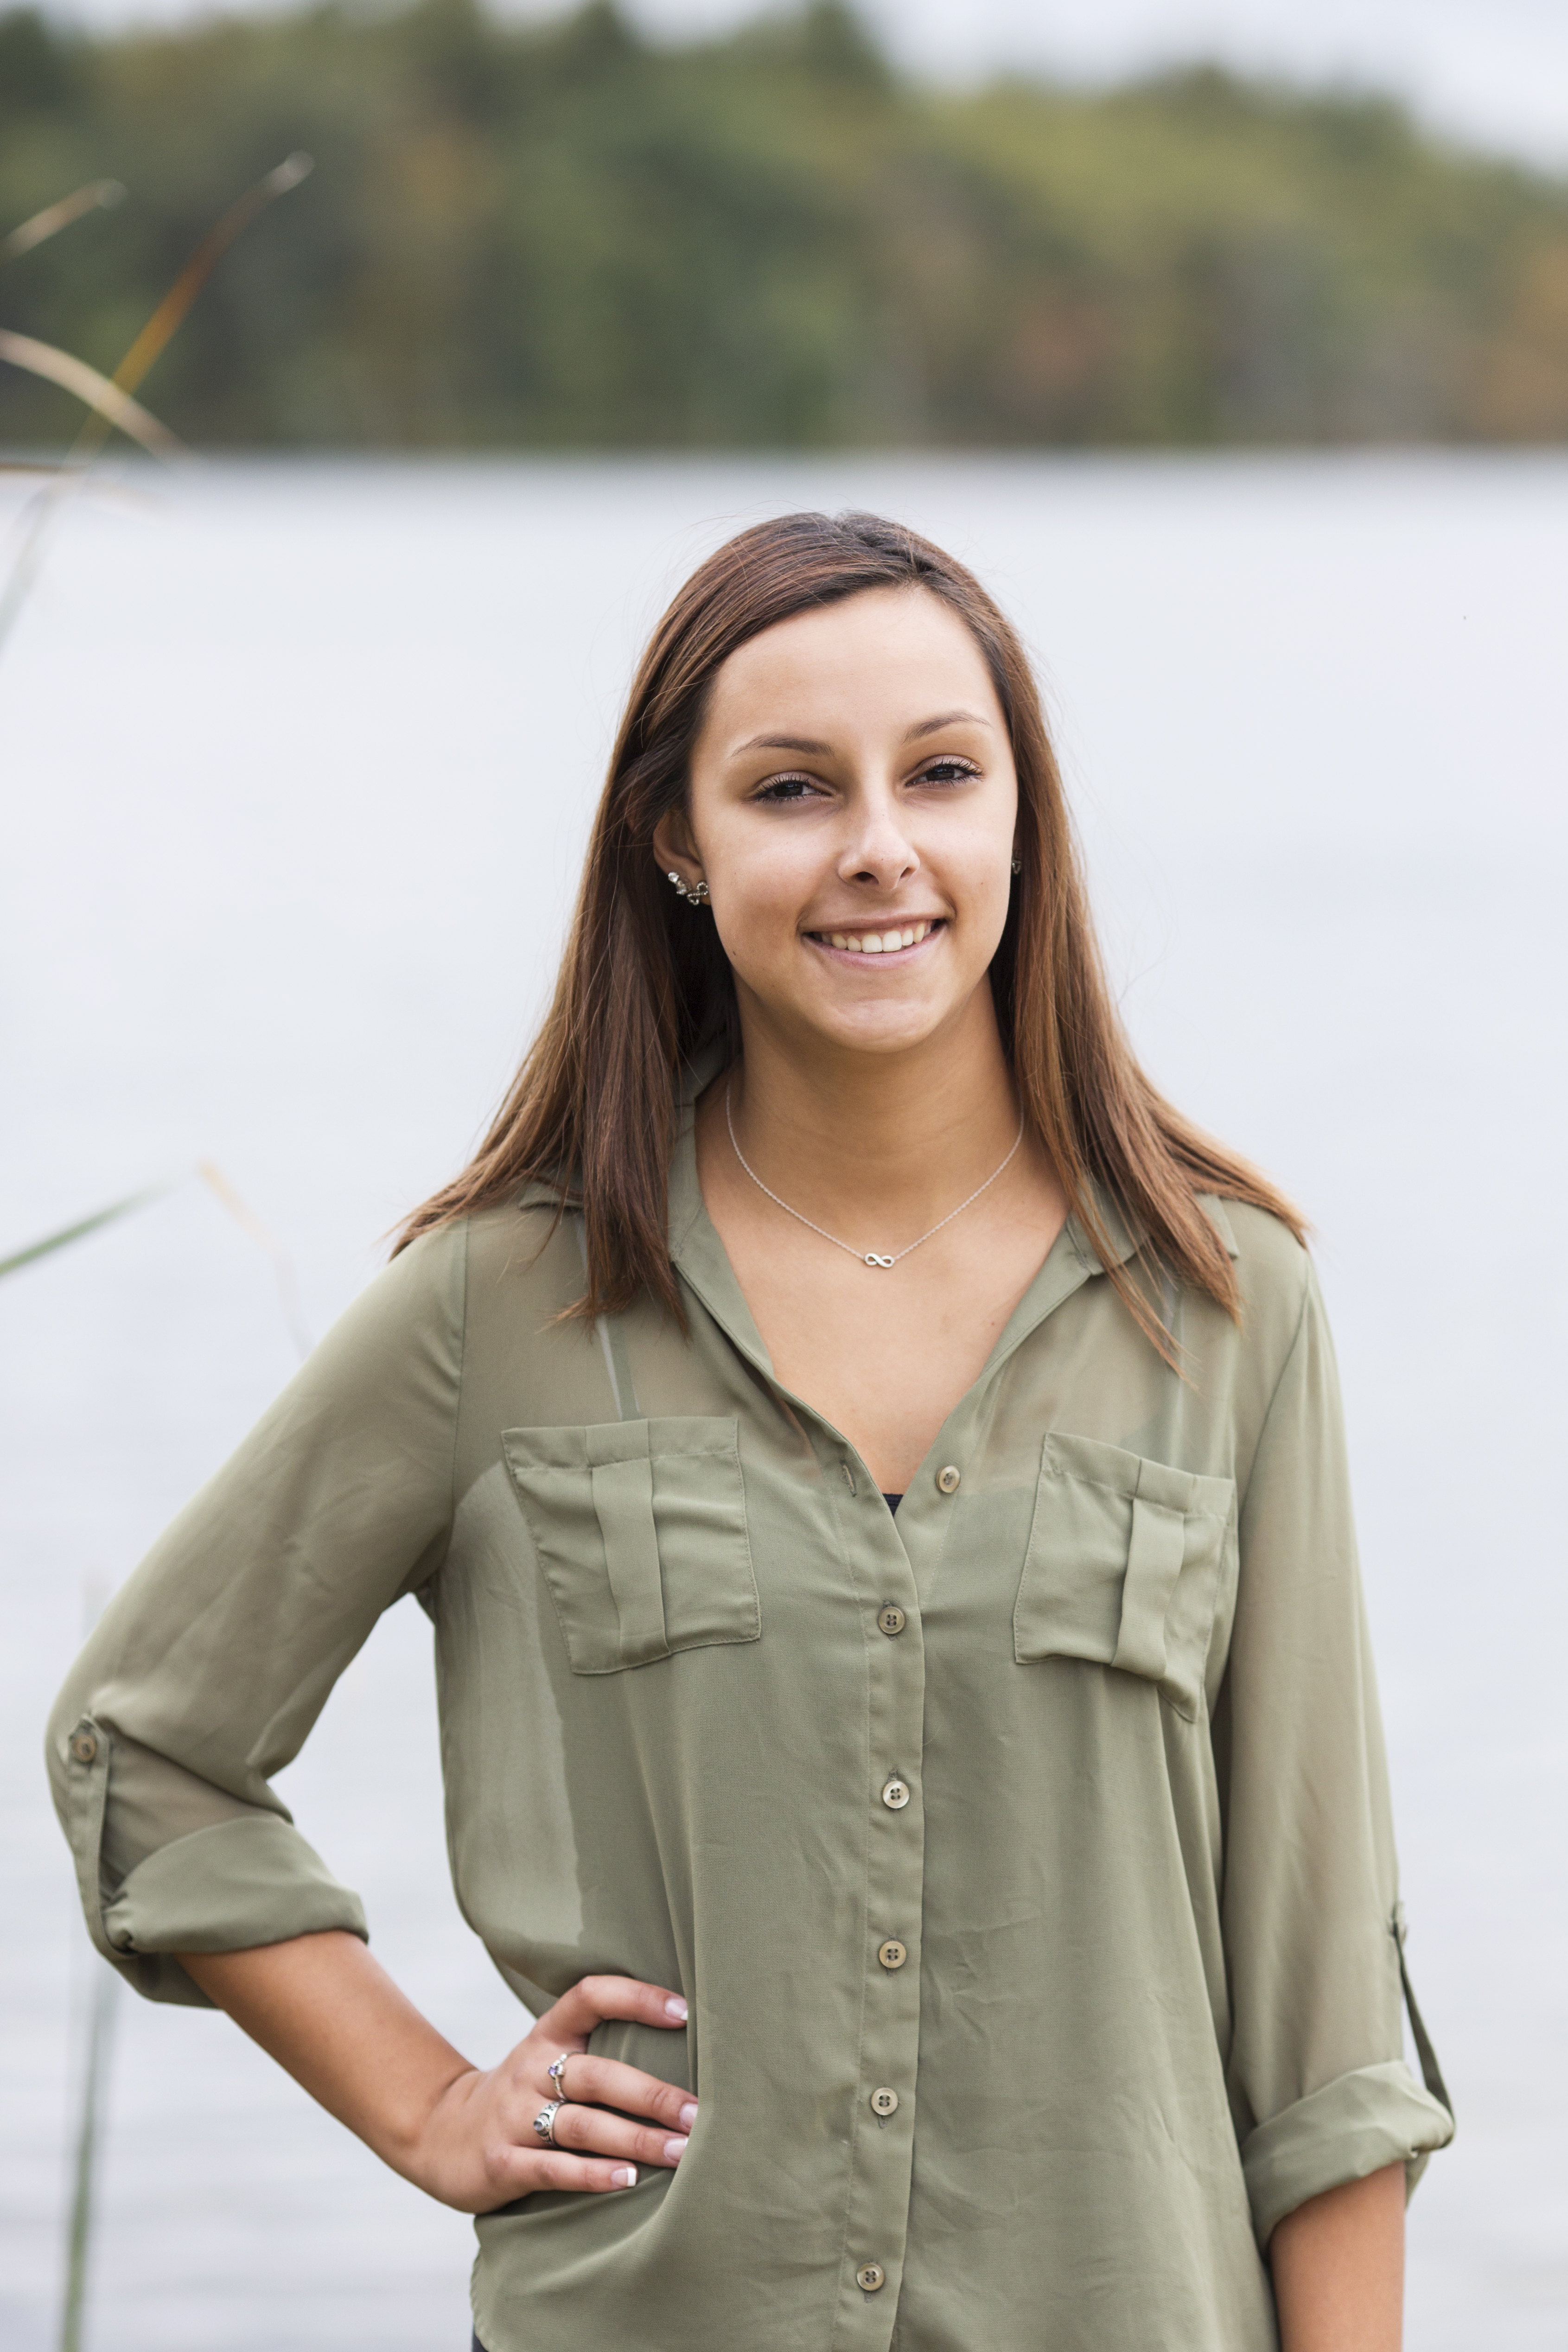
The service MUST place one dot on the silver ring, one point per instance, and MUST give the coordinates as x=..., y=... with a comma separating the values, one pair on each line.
x=544, y=2121
x=556, y=2070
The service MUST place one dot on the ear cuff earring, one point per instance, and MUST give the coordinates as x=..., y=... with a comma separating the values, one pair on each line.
x=694, y=893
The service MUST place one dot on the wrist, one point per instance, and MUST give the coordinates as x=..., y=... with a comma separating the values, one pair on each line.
x=415, y=2138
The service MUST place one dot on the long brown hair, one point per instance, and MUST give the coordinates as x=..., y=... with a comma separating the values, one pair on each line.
x=643, y=984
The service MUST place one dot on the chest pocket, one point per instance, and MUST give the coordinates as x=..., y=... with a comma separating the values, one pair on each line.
x=1124, y=1565
x=640, y=1527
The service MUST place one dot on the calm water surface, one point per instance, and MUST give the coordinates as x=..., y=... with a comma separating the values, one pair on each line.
x=297, y=765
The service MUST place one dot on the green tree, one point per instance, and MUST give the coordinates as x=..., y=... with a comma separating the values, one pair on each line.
x=566, y=234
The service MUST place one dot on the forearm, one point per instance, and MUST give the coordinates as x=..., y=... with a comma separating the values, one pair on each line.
x=332, y=2018
x=1338, y=2268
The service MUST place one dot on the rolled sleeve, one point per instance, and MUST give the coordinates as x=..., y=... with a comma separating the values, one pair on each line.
x=1376, y=2116
x=1320, y=2090
x=210, y=1666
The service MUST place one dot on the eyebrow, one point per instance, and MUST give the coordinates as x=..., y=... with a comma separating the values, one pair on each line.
x=785, y=743
x=945, y=719
x=817, y=750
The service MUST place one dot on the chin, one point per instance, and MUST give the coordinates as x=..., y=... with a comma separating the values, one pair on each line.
x=877, y=1036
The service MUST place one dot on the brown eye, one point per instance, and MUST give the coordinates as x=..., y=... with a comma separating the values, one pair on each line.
x=786, y=787
x=948, y=771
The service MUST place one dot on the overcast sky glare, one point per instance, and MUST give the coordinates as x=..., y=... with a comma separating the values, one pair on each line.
x=1492, y=71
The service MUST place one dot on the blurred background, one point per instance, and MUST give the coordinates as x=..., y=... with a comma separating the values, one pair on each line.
x=1229, y=343
x=811, y=229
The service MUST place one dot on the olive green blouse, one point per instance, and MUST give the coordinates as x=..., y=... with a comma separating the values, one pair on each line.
x=1025, y=1859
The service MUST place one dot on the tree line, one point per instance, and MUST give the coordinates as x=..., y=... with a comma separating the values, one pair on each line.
x=570, y=236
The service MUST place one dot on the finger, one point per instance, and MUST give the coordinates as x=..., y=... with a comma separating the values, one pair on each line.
x=594, y=2082
x=577, y=2012
x=596, y=2130
x=523, y=2172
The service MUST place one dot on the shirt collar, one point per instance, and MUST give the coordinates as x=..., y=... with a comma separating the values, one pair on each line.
x=701, y=1258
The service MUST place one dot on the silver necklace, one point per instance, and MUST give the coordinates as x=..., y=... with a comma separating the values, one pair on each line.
x=866, y=1257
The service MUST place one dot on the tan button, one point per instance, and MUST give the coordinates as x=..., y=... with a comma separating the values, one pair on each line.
x=948, y=1479
x=884, y=2103
x=891, y=1620
x=896, y=1796
x=84, y=1746
x=870, y=2276
x=892, y=1954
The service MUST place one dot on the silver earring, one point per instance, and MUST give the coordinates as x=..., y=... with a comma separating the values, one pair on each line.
x=1018, y=866
x=694, y=893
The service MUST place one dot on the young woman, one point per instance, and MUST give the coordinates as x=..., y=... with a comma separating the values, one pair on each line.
x=876, y=1473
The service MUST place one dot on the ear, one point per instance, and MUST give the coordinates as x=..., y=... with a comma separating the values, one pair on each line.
x=674, y=850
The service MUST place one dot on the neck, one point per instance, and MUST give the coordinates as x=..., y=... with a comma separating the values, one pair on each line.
x=900, y=1134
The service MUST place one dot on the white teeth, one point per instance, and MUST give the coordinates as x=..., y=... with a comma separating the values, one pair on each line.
x=877, y=942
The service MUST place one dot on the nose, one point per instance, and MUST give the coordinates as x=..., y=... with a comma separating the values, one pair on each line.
x=878, y=850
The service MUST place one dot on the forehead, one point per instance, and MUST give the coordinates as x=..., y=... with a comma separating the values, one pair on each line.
x=881, y=649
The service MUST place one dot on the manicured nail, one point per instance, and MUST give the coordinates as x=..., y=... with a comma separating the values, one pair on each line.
x=674, y=2007
x=688, y=2115
x=674, y=2149
x=624, y=2176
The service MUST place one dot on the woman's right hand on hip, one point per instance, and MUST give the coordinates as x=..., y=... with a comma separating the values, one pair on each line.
x=327, y=2010
x=479, y=2148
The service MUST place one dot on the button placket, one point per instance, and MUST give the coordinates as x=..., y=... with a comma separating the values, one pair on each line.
x=887, y=1564
x=876, y=2213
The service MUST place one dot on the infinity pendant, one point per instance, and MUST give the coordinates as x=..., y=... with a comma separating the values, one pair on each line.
x=872, y=1259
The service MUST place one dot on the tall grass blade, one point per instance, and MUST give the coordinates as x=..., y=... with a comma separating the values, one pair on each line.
x=211, y=1176
x=43, y=509
x=78, y=2242
x=84, y=1225
x=54, y=217
x=282, y=1263
x=101, y=2008
x=172, y=309
x=98, y=392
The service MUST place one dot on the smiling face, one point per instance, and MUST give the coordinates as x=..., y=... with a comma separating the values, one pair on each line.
x=852, y=809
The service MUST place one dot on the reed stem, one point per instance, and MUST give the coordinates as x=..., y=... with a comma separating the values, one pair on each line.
x=78, y=2242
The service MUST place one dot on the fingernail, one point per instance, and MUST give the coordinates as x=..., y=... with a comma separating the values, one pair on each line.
x=624, y=2176
x=688, y=2115
x=674, y=2007
x=674, y=2149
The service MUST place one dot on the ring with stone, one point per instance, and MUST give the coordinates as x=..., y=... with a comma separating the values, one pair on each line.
x=556, y=2070
x=544, y=2121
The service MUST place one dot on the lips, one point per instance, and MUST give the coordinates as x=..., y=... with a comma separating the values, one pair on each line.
x=887, y=940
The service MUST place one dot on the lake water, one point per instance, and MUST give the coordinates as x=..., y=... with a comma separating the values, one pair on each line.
x=296, y=764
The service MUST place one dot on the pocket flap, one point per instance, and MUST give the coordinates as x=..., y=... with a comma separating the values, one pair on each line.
x=1123, y=1565
x=640, y=1529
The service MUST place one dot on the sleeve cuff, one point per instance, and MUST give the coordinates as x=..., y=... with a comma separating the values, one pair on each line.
x=224, y=1888
x=1352, y=2127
